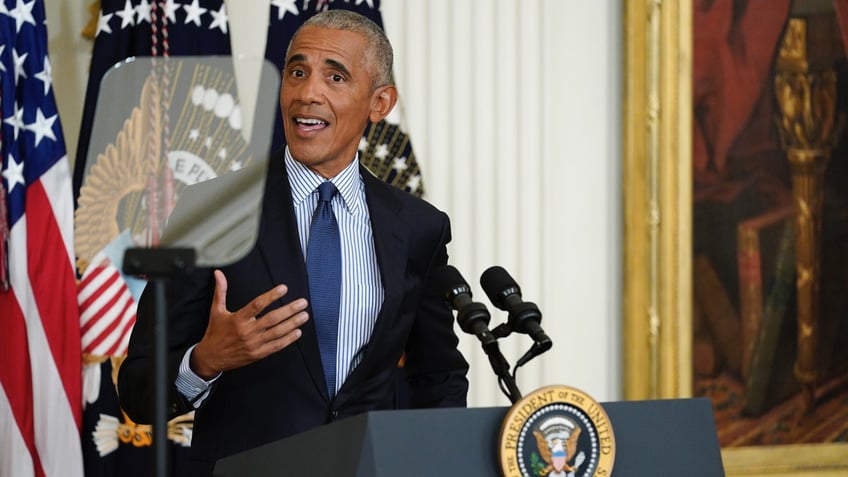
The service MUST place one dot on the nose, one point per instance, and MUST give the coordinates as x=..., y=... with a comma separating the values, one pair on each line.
x=311, y=90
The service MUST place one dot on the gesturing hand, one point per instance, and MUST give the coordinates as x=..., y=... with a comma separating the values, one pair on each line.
x=236, y=339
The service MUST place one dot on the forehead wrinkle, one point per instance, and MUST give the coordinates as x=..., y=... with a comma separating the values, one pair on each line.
x=295, y=58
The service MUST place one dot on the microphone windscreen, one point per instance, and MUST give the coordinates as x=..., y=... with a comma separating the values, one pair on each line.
x=447, y=279
x=497, y=284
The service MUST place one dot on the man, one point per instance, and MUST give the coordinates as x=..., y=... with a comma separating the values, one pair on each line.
x=262, y=372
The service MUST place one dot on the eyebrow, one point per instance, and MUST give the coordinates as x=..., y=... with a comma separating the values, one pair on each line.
x=335, y=64
x=332, y=63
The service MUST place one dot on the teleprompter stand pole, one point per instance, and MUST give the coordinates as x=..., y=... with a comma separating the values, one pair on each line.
x=158, y=265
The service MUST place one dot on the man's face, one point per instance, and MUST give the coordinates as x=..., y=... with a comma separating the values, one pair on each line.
x=326, y=97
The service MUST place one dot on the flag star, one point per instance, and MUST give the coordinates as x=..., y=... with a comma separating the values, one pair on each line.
x=284, y=6
x=14, y=174
x=2, y=49
x=193, y=13
x=208, y=142
x=193, y=134
x=127, y=15
x=103, y=23
x=381, y=152
x=143, y=12
x=171, y=11
x=235, y=166
x=219, y=19
x=46, y=75
x=22, y=13
x=222, y=153
x=3, y=9
x=369, y=2
x=42, y=127
x=16, y=120
x=414, y=182
x=399, y=164
x=19, y=64
x=363, y=143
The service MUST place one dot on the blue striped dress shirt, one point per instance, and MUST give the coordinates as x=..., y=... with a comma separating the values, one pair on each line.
x=362, y=289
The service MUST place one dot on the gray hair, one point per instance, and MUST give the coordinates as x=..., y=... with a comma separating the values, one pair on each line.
x=378, y=53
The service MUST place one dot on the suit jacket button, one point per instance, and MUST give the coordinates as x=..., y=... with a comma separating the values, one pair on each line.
x=334, y=414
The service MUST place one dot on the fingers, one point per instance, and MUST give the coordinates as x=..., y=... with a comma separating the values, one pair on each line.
x=219, y=298
x=282, y=326
x=252, y=309
x=283, y=334
x=258, y=304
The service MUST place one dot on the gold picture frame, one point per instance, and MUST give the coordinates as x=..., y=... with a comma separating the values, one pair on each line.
x=657, y=178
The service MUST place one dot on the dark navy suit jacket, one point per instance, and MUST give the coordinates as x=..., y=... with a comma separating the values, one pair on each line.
x=284, y=394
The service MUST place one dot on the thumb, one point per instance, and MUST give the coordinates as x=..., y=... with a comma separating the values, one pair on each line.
x=219, y=298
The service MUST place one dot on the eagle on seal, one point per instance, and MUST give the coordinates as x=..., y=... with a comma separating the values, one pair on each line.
x=557, y=450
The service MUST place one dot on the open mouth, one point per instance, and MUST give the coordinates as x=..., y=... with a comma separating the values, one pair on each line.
x=310, y=124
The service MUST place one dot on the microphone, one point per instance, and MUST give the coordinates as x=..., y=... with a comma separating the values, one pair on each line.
x=472, y=317
x=524, y=316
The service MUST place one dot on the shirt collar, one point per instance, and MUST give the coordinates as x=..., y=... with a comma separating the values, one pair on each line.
x=304, y=181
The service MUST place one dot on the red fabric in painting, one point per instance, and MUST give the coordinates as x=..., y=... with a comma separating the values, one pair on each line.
x=735, y=42
x=841, y=7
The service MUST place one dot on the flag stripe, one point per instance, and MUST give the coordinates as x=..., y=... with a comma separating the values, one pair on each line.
x=16, y=382
x=103, y=334
x=94, y=283
x=93, y=310
x=54, y=289
x=58, y=188
x=13, y=442
x=129, y=322
x=122, y=337
x=104, y=322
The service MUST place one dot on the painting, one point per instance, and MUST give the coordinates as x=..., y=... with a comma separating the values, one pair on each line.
x=736, y=231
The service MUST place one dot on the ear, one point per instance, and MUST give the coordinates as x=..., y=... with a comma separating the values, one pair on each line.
x=383, y=100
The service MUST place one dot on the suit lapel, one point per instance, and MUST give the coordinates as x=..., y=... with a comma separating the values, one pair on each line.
x=279, y=244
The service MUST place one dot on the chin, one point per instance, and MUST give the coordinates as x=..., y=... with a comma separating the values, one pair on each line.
x=305, y=155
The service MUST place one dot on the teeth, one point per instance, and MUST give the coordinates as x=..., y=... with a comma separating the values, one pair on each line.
x=311, y=122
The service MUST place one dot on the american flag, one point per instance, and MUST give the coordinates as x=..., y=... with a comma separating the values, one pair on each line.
x=40, y=371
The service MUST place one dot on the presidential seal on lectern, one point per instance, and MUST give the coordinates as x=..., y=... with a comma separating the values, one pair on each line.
x=556, y=431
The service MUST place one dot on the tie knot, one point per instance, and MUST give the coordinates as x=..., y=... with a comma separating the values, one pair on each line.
x=326, y=191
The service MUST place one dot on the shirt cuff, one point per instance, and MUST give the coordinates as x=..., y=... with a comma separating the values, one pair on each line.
x=190, y=385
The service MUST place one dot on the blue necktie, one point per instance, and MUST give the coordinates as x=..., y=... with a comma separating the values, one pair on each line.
x=324, y=269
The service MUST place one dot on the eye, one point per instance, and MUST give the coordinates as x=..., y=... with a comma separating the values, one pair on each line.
x=336, y=78
x=297, y=73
